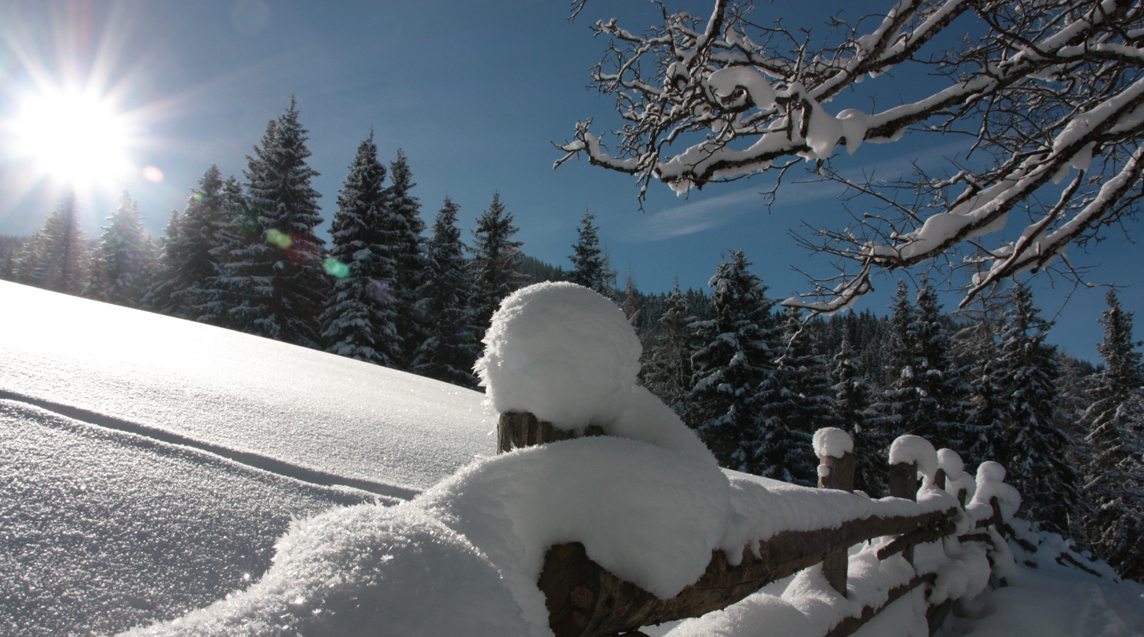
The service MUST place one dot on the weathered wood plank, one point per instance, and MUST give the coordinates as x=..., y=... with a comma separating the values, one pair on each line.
x=852, y=624
x=839, y=474
x=904, y=484
x=517, y=429
x=584, y=600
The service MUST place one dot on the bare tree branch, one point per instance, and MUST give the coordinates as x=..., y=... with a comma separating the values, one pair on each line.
x=1047, y=90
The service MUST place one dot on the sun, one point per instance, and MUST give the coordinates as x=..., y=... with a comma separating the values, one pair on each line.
x=74, y=137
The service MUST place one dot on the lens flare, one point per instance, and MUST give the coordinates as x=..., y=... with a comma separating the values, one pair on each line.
x=279, y=239
x=153, y=174
x=335, y=268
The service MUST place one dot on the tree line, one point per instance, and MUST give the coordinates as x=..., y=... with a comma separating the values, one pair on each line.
x=754, y=380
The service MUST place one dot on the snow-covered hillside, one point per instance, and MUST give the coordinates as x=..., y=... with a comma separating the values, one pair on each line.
x=155, y=463
x=236, y=392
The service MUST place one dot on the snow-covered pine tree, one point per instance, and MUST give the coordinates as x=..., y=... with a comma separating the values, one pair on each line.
x=988, y=411
x=589, y=265
x=279, y=277
x=935, y=380
x=1114, y=480
x=734, y=357
x=1033, y=448
x=667, y=371
x=187, y=260
x=897, y=398
x=9, y=248
x=795, y=401
x=236, y=227
x=122, y=258
x=158, y=295
x=851, y=406
x=404, y=229
x=632, y=304
x=495, y=264
x=56, y=257
x=359, y=319
x=448, y=353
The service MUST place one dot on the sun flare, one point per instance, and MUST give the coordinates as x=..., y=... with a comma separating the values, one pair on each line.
x=75, y=137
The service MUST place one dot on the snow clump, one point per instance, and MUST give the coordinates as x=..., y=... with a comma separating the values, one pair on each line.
x=832, y=442
x=990, y=484
x=910, y=449
x=956, y=479
x=561, y=352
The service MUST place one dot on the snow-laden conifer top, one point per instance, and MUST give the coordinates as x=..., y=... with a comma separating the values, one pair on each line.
x=833, y=442
x=561, y=352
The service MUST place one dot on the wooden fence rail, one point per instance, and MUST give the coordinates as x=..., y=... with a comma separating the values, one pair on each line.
x=585, y=600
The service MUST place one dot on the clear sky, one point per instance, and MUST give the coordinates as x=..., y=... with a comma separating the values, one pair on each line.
x=474, y=92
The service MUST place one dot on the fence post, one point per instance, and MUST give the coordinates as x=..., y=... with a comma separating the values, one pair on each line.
x=836, y=473
x=519, y=429
x=904, y=484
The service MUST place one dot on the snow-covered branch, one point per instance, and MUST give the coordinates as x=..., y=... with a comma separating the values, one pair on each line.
x=1042, y=89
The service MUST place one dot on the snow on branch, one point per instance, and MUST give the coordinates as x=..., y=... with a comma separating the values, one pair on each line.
x=1045, y=90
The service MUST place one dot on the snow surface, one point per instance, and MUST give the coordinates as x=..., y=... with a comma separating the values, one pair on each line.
x=990, y=484
x=956, y=478
x=101, y=530
x=911, y=449
x=562, y=352
x=460, y=558
x=239, y=392
x=832, y=442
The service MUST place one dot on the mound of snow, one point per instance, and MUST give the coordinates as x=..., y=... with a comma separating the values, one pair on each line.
x=561, y=352
x=365, y=570
x=832, y=442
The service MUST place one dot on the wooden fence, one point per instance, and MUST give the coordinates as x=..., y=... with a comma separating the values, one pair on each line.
x=585, y=600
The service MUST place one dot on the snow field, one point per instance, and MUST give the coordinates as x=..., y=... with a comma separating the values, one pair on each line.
x=647, y=501
x=240, y=392
x=100, y=530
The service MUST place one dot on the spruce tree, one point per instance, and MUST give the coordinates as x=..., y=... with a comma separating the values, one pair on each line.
x=279, y=276
x=934, y=381
x=495, y=264
x=851, y=405
x=897, y=398
x=235, y=229
x=448, y=352
x=404, y=229
x=1114, y=480
x=359, y=319
x=667, y=372
x=188, y=258
x=589, y=265
x=988, y=410
x=734, y=357
x=1033, y=450
x=56, y=257
x=796, y=401
x=122, y=258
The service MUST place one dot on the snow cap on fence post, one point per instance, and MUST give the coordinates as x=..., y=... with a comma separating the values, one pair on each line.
x=835, y=450
x=915, y=450
x=958, y=483
x=562, y=353
x=990, y=485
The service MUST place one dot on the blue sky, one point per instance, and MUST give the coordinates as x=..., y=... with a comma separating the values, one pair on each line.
x=475, y=93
